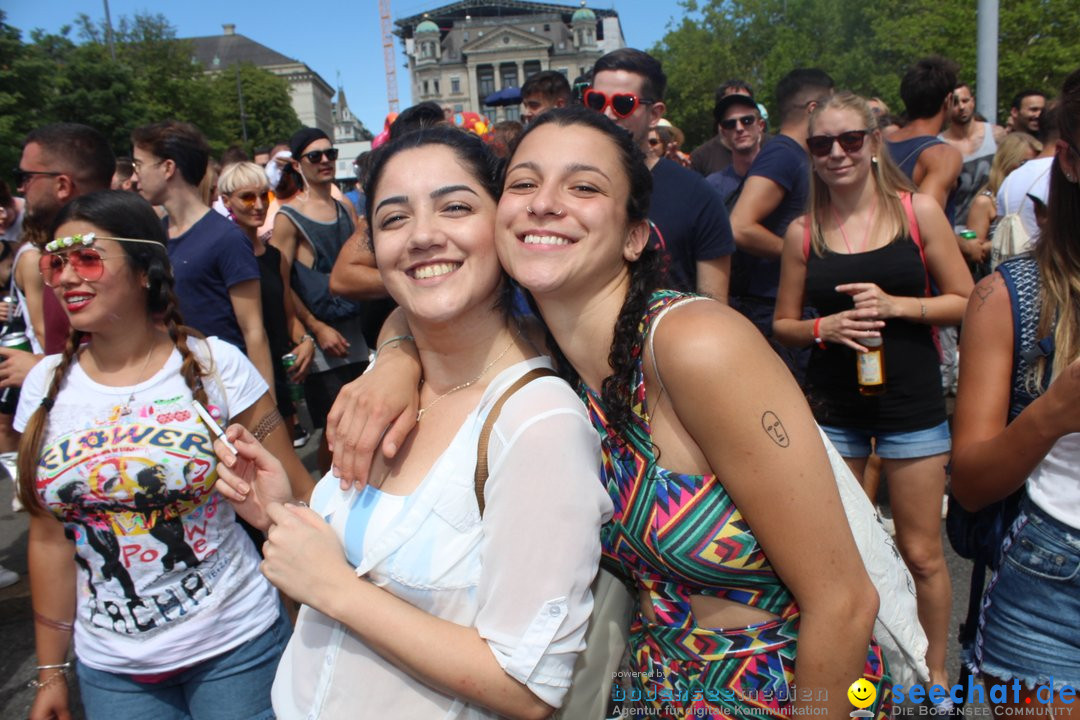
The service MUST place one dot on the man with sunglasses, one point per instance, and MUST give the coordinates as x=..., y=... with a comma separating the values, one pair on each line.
x=774, y=193
x=311, y=230
x=688, y=217
x=217, y=277
x=742, y=130
x=714, y=154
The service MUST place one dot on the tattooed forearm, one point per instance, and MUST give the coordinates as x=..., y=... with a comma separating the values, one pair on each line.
x=983, y=292
x=775, y=429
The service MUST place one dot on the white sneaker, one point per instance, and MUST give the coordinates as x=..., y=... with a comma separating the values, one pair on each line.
x=7, y=577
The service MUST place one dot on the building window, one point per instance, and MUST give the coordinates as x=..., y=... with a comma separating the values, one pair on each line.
x=485, y=81
x=547, y=27
x=566, y=72
x=425, y=87
x=513, y=112
x=506, y=39
x=458, y=107
x=455, y=85
x=436, y=87
x=508, y=75
x=530, y=68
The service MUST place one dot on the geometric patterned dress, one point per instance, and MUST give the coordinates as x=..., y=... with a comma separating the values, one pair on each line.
x=673, y=536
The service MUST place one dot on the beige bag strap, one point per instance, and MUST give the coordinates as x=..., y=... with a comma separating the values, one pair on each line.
x=481, y=475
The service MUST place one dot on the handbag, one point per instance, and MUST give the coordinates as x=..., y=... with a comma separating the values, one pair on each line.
x=896, y=628
x=607, y=635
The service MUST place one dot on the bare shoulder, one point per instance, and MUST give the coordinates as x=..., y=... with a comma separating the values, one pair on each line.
x=925, y=206
x=990, y=299
x=704, y=337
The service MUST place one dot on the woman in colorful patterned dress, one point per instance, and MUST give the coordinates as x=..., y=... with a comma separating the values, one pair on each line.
x=741, y=557
x=134, y=559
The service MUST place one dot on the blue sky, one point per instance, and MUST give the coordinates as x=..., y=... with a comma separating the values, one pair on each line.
x=340, y=41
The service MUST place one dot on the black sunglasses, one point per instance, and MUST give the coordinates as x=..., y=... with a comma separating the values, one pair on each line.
x=317, y=155
x=21, y=176
x=730, y=123
x=850, y=141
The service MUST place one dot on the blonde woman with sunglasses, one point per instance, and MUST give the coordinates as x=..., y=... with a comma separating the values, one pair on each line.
x=245, y=191
x=134, y=560
x=866, y=256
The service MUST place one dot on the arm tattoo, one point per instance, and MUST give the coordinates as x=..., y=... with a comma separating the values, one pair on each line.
x=775, y=429
x=266, y=425
x=983, y=292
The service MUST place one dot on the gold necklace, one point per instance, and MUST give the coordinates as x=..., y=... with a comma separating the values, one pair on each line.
x=462, y=386
x=125, y=409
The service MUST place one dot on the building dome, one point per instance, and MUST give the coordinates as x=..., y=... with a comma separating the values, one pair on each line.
x=583, y=13
x=427, y=26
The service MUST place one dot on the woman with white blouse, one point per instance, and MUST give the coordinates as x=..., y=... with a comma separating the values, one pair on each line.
x=419, y=600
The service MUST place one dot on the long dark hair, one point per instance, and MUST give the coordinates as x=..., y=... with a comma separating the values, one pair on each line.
x=1058, y=252
x=646, y=272
x=126, y=215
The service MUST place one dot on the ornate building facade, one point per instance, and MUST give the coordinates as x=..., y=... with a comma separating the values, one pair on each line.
x=460, y=53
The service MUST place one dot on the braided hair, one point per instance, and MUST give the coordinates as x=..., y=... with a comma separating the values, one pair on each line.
x=126, y=215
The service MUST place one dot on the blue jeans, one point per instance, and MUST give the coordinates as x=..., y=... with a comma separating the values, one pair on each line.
x=855, y=442
x=232, y=686
x=1028, y=629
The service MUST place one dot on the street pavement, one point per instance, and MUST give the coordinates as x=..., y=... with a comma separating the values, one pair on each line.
x=17, y=635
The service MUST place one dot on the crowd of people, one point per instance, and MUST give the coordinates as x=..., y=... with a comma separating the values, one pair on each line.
x=609, y=394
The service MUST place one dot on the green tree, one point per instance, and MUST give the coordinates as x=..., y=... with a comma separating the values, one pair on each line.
x=866, y=47
x=268, y=113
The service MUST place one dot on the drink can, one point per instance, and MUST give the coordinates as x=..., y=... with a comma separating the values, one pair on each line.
x=296, y=390
x=968, y=235
x=15, y=341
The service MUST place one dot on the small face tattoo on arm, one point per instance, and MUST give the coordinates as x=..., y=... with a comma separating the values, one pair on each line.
x=775, y=429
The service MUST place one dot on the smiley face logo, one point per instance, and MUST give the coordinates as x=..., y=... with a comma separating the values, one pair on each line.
x=862, y=693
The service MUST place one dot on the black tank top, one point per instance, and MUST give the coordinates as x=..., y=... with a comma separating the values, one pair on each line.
x=913, y=399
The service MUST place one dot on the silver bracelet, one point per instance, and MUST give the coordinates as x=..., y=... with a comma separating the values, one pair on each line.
x=58, y=666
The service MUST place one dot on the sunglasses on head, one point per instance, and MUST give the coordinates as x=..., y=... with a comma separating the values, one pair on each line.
x=622, y=104
x=730, y=123
x=317, y=155
x=850, y=141
x=87, y=262
x=247, y=199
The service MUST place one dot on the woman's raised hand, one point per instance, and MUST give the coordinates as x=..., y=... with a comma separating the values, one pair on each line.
x=252, y=478
x=868, y=296
x=850, y=326
x=378, y=409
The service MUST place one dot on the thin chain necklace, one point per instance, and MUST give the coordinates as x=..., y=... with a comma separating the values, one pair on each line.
x=125, y=409
x=462, y=386
x=866, y=233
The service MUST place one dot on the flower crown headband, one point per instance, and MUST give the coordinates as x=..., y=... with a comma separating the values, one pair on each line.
x=86, y=240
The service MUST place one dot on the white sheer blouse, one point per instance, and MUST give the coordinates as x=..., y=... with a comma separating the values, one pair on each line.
x=520, y=575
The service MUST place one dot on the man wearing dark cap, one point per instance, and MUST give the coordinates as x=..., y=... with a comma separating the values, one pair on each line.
x=310, y=230
x=714, y=154
x=742, y=130
x=217, y=276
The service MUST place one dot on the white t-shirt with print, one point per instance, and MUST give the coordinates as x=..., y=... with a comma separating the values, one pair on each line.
x=167, y=578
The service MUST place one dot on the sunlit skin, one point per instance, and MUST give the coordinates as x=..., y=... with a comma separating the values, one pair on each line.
x=839, y=167
x=433, y=236
x=577, y=208
x=643, y=117
x=1027, y=117
x=115, y=300
x=963, y=106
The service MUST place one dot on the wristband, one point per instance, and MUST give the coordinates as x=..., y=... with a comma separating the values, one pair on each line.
x=922, y=309
x=306, y=336
x=817, y=333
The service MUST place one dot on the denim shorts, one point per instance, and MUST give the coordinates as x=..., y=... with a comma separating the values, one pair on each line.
x=855, y=442
x=232, y=686
x=1028, y=627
